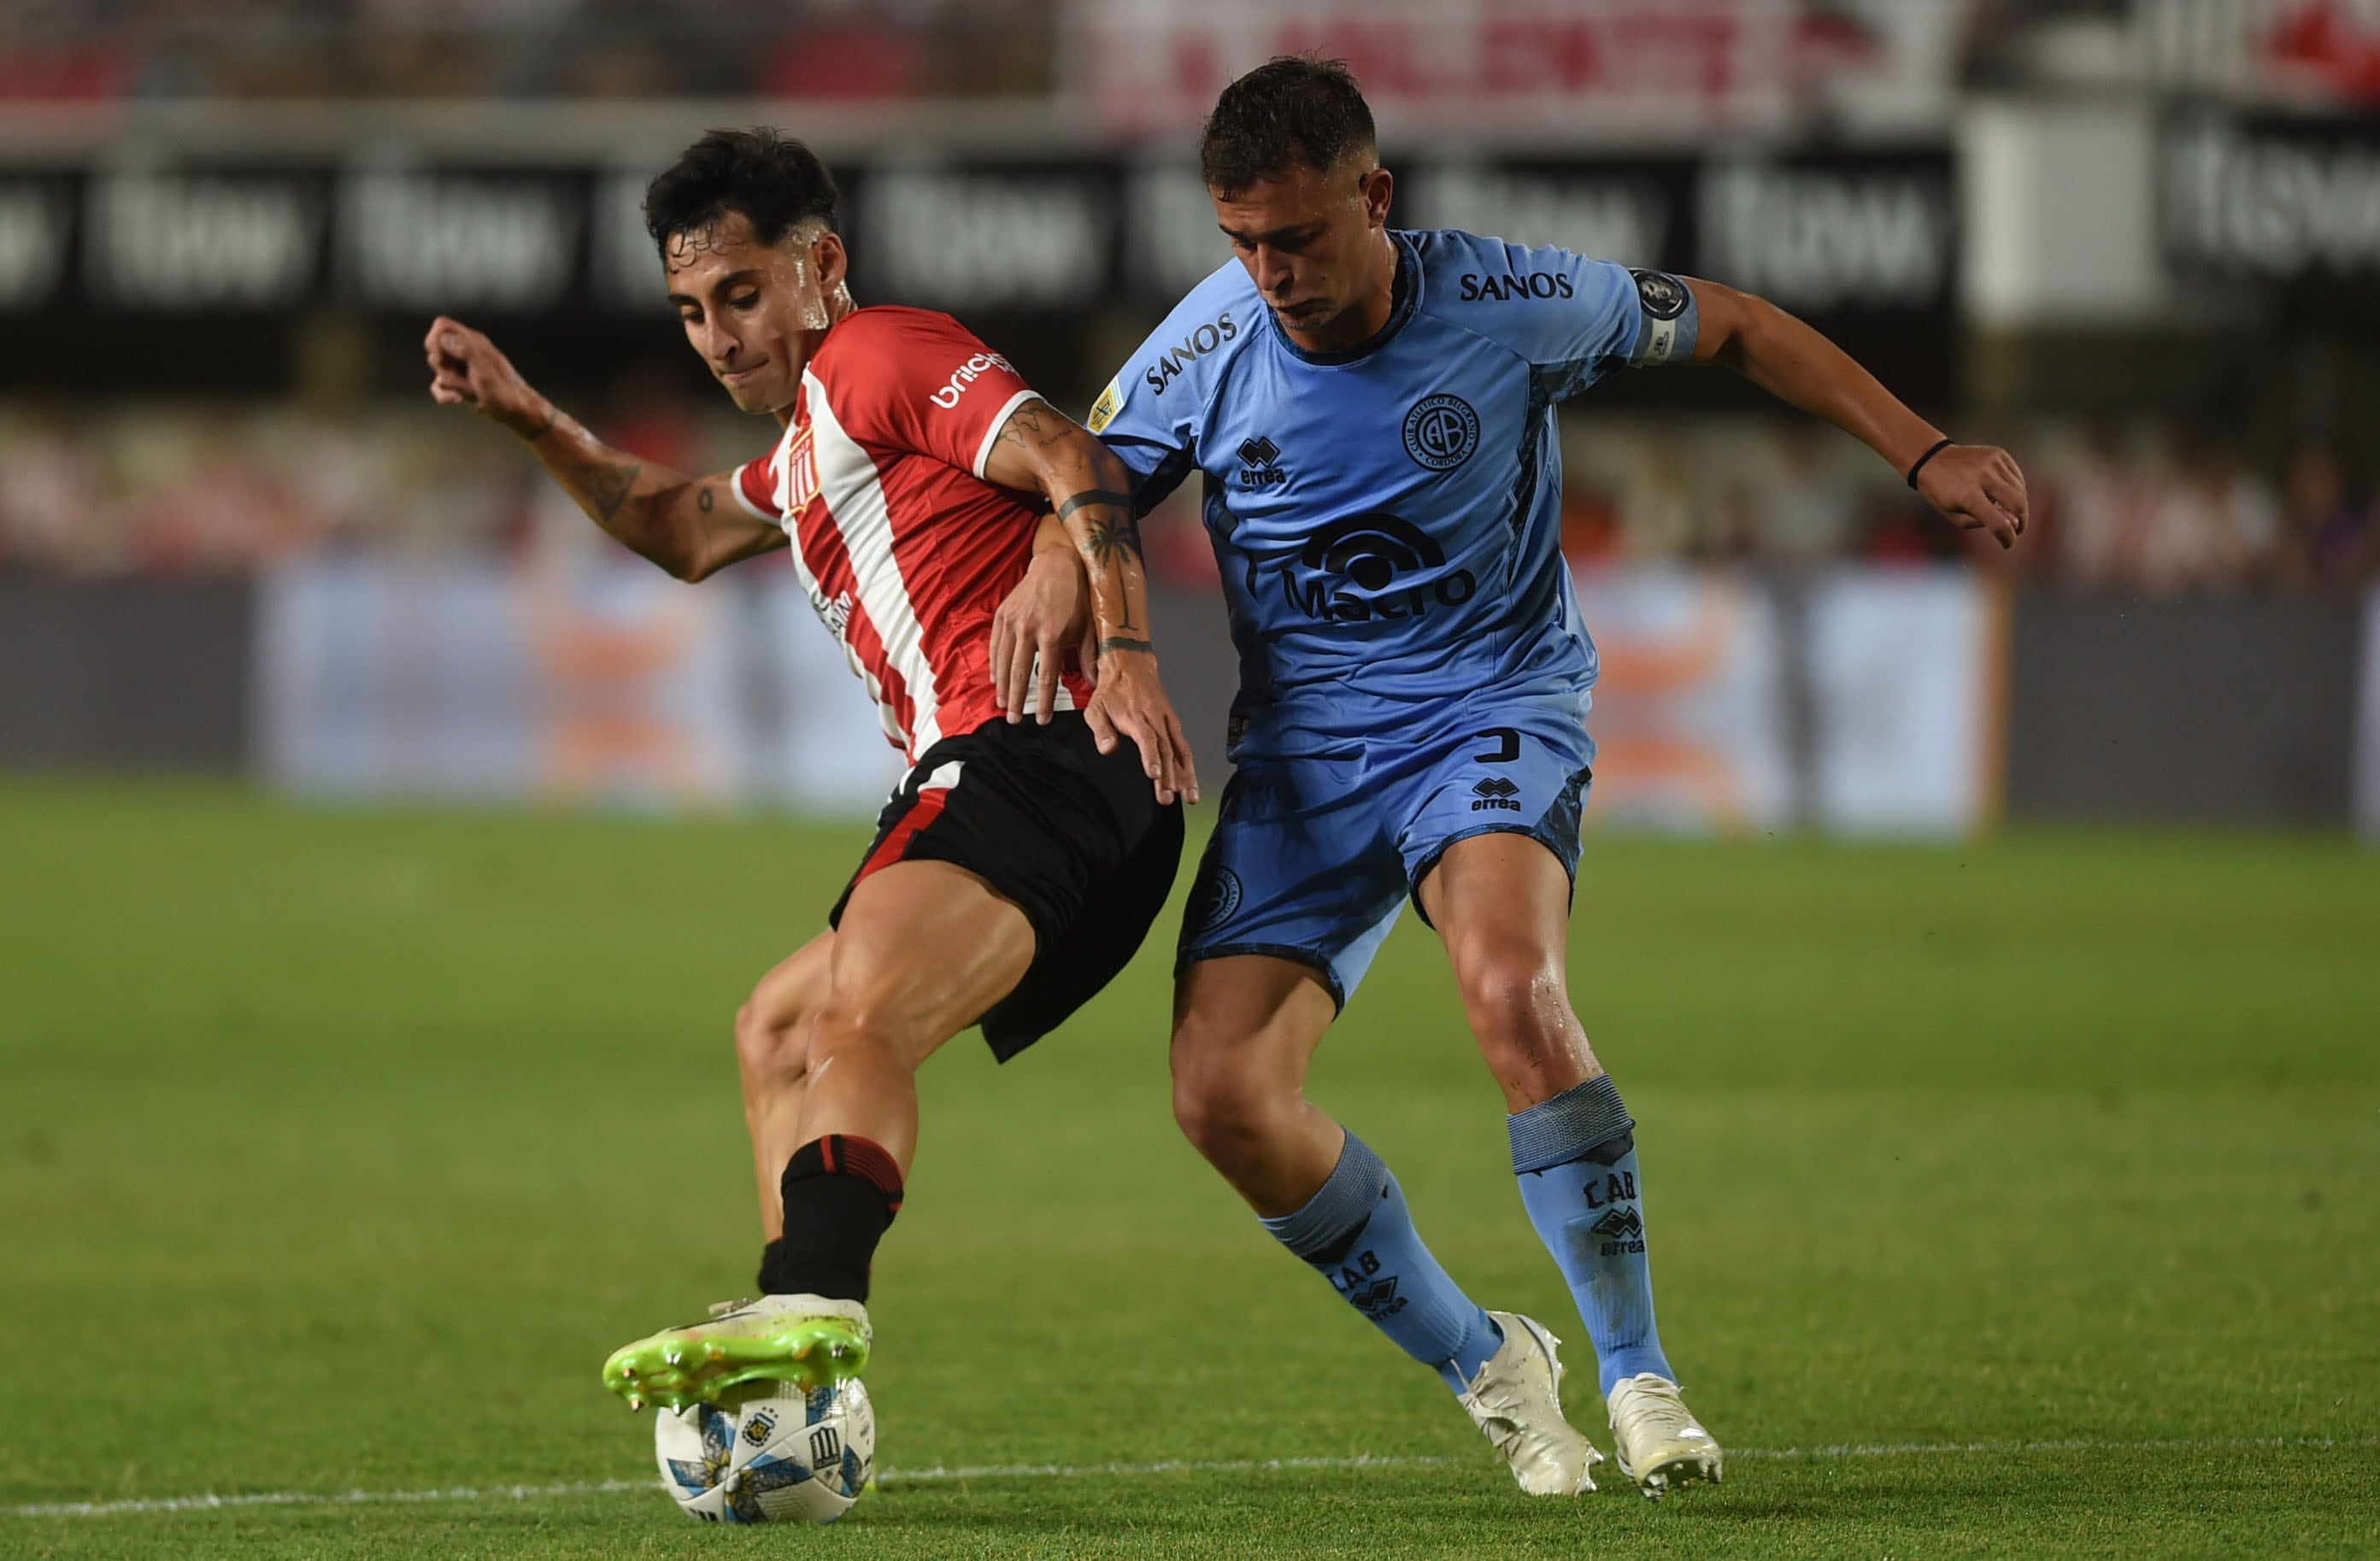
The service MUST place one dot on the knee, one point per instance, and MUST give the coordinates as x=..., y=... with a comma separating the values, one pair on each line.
x=772, y=1042
x=852, y=1026
x=1227, y=1116
x=1515, y=999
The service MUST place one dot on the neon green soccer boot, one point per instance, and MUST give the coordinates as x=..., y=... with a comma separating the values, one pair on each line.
x=804, y=1339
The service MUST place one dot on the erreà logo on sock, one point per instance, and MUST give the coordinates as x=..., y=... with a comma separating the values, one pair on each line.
x=1622, y=1231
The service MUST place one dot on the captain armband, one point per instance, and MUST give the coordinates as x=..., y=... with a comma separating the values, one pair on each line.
x=1666, y=320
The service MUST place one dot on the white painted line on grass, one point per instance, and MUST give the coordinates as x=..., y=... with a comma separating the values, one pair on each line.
x=942, y=1474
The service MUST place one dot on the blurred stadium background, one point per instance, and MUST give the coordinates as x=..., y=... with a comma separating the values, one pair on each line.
x=2017, y=1182
x=2135, y=241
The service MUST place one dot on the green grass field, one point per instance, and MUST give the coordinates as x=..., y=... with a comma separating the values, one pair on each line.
x=2019, y=1198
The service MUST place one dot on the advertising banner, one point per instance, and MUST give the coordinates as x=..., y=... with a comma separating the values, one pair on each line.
x=1836, y=232
x=1723, y=705
x=1689, y=717
x=607, y=684
x=1902, y=667
x=2275, y=198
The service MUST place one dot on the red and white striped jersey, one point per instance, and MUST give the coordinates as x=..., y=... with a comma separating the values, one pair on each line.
x=905, y=550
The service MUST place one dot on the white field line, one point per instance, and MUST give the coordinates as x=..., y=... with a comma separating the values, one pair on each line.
x=943, y=1474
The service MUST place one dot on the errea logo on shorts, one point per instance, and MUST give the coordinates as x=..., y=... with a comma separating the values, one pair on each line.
x=968, y=373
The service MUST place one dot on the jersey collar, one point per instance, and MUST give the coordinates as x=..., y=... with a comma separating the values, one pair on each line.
x=1405, y=294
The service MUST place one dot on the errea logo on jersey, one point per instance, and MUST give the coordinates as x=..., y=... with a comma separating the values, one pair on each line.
x=968, y=373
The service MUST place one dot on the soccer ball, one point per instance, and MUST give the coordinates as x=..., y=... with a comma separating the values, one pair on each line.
x=771, y=1453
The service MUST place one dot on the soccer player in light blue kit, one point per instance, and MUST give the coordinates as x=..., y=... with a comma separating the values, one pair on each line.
x=1371, y=414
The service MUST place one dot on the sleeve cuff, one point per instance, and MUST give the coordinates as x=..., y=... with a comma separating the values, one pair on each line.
x=1000, y=421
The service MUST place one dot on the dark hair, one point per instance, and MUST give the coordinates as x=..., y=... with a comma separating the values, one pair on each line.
x=773, y=179
x=1295, y=109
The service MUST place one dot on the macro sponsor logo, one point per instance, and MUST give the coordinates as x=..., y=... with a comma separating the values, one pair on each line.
x=1190, y=349
x=967, y=374
x=1499, y=289
x=1354, y=568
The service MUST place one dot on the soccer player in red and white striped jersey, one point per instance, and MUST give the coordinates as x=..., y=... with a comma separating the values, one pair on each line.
x=928, y=496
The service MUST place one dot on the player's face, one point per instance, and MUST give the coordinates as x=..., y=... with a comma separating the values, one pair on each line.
x=756, y=311
x=1315, y=244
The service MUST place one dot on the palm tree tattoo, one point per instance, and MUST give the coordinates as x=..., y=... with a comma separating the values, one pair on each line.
x=1109, y=542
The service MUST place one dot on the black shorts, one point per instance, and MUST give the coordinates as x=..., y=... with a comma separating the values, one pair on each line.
x=1077, y=839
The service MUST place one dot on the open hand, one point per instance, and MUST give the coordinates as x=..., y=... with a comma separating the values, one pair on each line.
x=1037, y=623
x=1977, y=488
x=466, y=369
x=1131, y=703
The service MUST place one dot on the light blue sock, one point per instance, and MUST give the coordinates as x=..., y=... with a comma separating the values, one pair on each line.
x=1357, y=1233
x=1576, y=1157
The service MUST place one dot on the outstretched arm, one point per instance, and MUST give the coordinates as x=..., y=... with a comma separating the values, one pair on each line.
x=691, y=526
x=1978, y=487
x=1042, y=449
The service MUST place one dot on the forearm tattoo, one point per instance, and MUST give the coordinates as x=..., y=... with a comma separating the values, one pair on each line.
x=605, y=484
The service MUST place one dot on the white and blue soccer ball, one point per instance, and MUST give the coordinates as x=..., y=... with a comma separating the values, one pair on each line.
x=772, y=1454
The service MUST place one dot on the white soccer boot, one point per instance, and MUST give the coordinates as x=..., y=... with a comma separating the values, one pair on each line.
x=1516, y=1401
x=1656, y=1438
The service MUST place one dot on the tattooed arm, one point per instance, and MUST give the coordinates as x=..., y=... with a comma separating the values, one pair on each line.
x=1042, y=449
x=691, y=526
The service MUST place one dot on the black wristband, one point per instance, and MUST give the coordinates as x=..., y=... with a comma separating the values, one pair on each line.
x=1926, y=458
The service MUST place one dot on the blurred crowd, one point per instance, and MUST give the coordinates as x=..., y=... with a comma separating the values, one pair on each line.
x=88, y=50
x=2152, y=506
x=181, y=487
x=81, y=50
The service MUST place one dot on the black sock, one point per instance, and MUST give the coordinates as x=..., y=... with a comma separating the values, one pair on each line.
x=841, y=1194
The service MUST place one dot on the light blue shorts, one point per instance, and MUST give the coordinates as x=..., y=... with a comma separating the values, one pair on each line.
x=1323, y=837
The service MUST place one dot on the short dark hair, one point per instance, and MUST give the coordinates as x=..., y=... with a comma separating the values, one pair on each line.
x=773, y=179
x=1293, y=110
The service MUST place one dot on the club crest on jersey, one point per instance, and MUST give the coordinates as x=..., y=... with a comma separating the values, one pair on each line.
x=1441, y=432
x=801, y=474
x=1354, y=568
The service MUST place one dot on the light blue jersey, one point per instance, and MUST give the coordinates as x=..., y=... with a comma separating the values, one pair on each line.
x=1388, y=519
